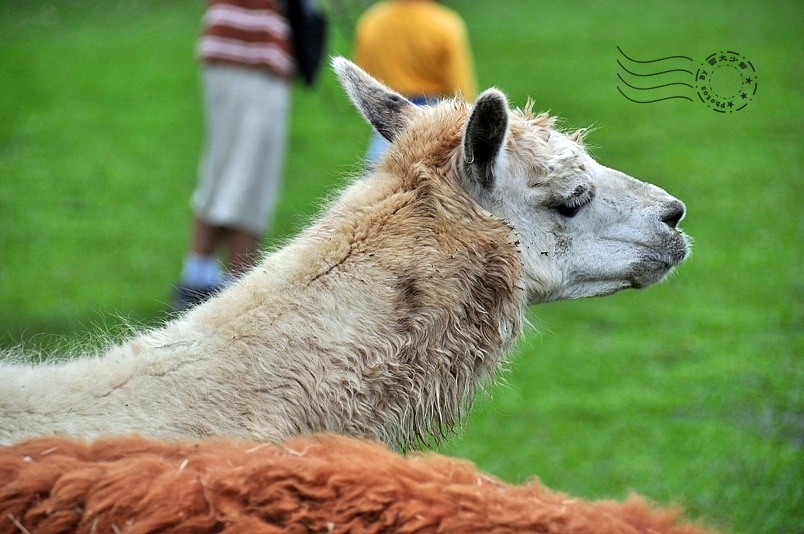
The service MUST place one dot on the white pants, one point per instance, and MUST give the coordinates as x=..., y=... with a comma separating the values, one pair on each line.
x=247, y=111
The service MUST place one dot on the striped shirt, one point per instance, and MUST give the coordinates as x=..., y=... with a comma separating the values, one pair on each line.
x=254, y=33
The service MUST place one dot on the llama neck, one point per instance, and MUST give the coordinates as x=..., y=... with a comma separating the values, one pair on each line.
x=383, y=323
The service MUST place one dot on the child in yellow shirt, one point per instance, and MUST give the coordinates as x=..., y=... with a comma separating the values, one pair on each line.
x=418, y=48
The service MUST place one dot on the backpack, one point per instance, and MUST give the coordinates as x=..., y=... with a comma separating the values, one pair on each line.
x=309, y=28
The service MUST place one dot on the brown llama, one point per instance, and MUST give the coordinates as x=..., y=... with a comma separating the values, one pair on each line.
x=325, y=484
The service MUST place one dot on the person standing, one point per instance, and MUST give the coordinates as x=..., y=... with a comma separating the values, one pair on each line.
x=247, y=67
x=418, y=48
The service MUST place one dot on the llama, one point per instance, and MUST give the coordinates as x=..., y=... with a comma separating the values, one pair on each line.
x=388, y=315
x=324, y=483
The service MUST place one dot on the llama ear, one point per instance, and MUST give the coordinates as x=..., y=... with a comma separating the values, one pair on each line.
x=386, y=110
x=485, y=136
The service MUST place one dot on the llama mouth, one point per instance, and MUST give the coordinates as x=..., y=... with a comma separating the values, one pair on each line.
x=659, y=258
x=657, y=263
x=653, y=268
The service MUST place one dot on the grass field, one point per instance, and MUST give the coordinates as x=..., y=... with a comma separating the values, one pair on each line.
x=690, y=392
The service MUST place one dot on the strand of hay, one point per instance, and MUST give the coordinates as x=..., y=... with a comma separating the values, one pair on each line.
x=321, y=484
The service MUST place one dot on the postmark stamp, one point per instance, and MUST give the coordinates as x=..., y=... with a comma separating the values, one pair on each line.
x=725, y=82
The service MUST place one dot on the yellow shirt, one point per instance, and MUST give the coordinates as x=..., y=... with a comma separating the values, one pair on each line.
x=416, y=47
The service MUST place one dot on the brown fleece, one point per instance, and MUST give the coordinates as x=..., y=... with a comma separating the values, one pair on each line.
x=324, y=483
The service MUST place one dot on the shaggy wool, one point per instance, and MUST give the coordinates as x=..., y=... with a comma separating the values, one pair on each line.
x=323, y=483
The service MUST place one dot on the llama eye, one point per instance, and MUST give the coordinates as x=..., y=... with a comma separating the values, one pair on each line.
x=570, y=206
x=567, y=210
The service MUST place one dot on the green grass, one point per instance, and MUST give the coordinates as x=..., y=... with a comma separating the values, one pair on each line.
x=689, y=392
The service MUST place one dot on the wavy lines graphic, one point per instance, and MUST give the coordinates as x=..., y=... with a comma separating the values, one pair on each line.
x=655, y=86
x=652, y=101
x=669, y=75
x=653, y=73
x=651, y=60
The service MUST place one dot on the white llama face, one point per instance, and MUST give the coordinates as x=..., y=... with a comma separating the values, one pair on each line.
x=583, y=229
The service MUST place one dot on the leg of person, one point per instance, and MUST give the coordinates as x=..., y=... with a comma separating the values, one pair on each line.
x=243, y=250
x=201, y=274
x=201, y=267
x=205, y=238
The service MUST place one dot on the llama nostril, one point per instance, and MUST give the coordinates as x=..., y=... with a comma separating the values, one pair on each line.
x=672, y=213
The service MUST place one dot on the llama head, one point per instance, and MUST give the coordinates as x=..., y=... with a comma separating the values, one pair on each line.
x=583, y=229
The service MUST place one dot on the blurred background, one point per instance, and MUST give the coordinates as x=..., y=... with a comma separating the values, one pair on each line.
x=691, y=392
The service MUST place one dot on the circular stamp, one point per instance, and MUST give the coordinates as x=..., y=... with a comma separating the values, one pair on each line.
x=726, y=82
